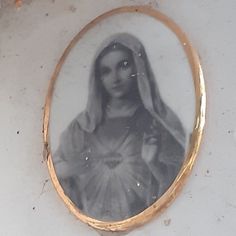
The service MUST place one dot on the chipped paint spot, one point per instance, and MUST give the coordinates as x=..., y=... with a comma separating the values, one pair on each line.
x=153, y=3
x=72, y=8
x=18, y=3
x=167, y=222
x=44, y=184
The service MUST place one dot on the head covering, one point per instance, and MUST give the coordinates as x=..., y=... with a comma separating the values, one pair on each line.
x=147, y=86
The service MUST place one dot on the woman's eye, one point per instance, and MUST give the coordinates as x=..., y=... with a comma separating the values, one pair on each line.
x=104, y=71
x=124, y=64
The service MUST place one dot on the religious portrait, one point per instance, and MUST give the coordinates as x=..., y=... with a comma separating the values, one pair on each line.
x=122, y=152
x=123, y=119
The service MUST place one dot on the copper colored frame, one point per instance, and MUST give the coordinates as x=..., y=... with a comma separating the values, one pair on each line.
x=200, y=95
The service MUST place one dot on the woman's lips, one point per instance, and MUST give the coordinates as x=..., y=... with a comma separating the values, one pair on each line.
x=117, y=87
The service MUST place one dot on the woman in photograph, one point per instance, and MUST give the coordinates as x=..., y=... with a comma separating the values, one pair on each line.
x=121, y=153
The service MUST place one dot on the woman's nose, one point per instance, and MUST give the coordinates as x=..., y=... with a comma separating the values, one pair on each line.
x=115, y=77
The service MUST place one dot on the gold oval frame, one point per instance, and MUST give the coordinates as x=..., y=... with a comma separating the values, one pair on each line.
x=200, y=94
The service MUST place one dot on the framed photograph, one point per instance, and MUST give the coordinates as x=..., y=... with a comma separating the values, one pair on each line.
x=124, y=117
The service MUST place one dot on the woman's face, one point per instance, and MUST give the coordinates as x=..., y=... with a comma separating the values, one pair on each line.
x=117, y=73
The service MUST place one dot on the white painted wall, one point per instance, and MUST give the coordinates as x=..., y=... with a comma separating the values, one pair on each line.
x=32, y=39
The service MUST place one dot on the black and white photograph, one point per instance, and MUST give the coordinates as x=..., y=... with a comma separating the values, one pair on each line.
x=119, y=119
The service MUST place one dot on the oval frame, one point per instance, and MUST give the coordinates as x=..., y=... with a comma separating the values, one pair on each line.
x=200, y=100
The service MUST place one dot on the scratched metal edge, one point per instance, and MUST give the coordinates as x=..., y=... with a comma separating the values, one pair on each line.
x=200, y=95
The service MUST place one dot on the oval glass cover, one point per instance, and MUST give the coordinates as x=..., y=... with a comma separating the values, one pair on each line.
x=124, y=118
